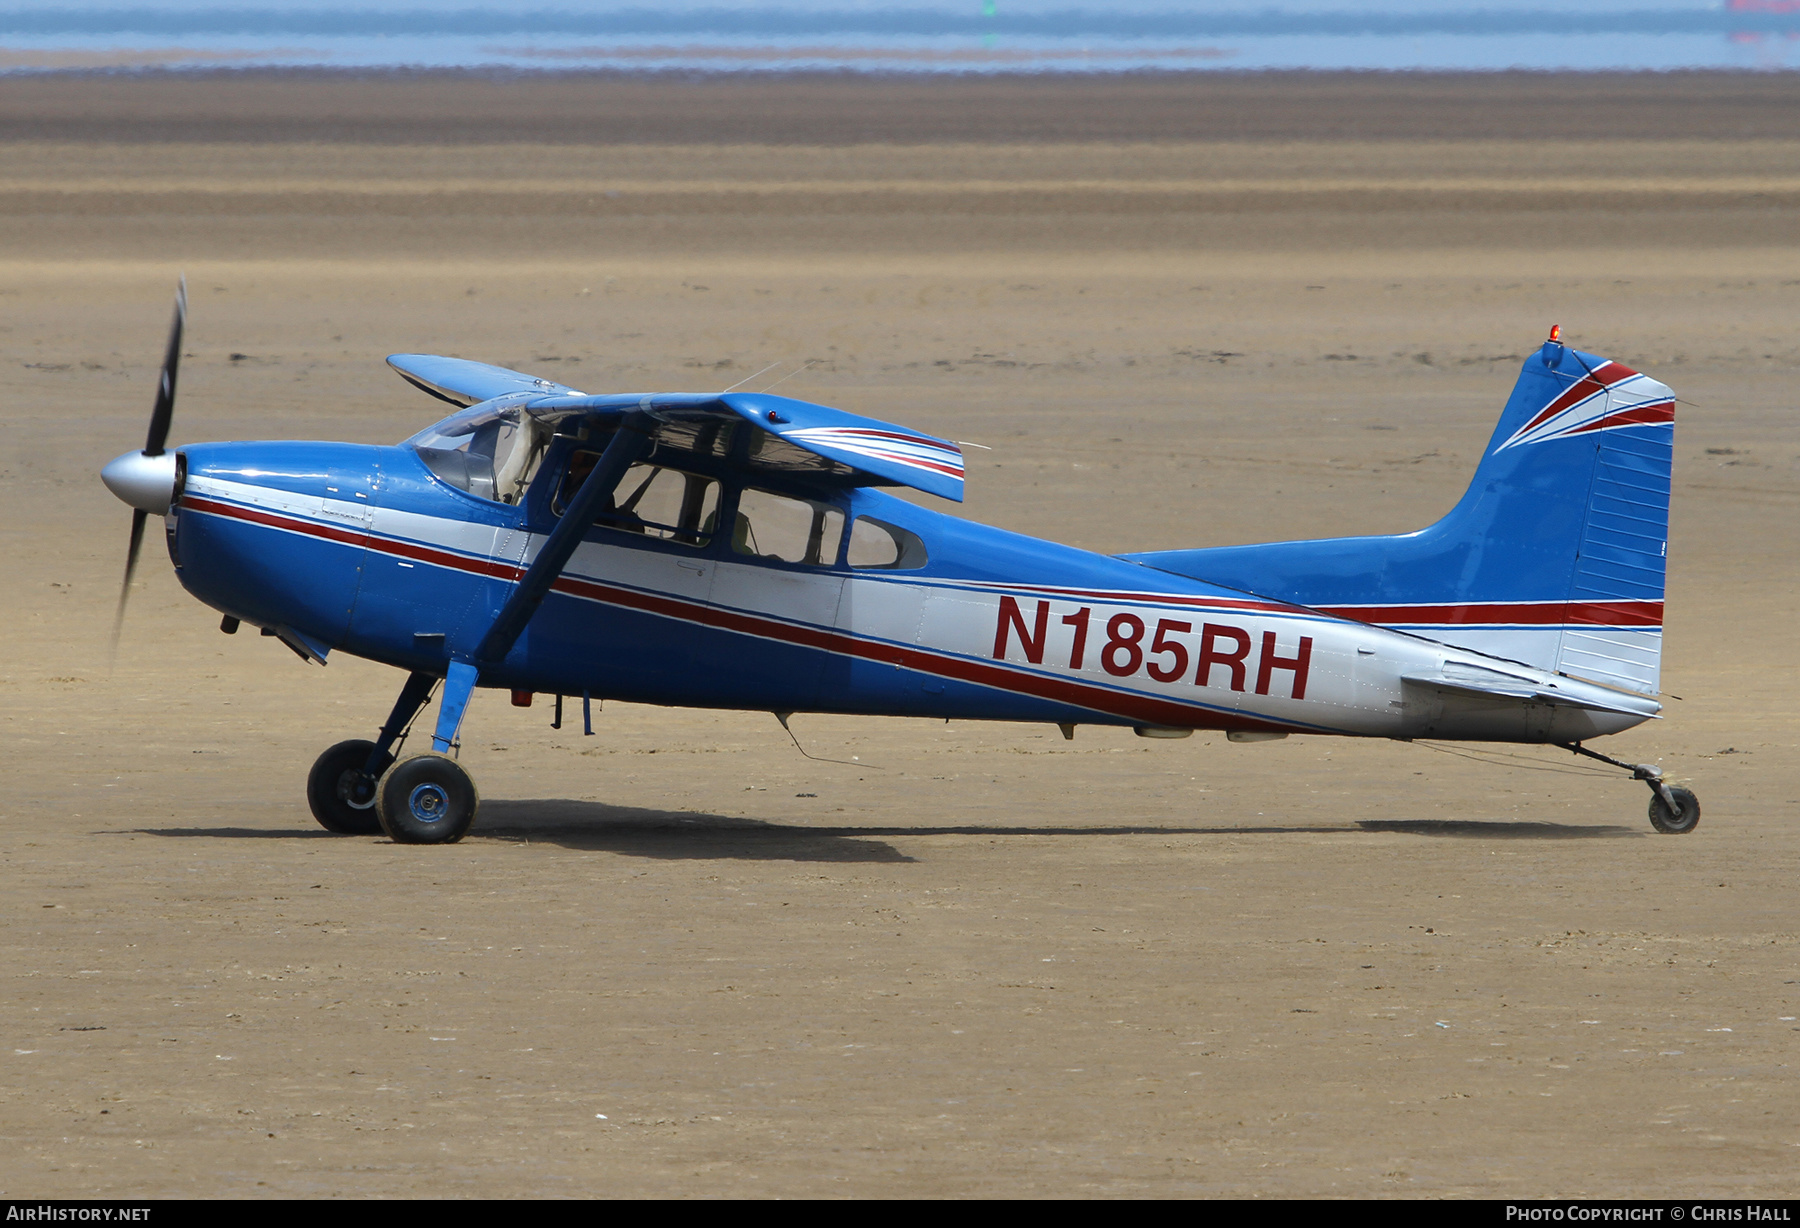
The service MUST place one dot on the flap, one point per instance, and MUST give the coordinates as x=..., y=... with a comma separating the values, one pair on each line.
x=461, y=382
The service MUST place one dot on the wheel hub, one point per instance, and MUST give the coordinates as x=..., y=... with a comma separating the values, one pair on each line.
x=428, y=803
x=356, y=790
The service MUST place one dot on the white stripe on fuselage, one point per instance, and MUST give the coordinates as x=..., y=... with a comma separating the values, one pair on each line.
x=1352, y=671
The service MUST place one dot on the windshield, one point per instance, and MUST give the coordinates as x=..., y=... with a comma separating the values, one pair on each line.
x=485, y=450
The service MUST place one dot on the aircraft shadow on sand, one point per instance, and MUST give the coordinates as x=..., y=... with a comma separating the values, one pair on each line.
x=689, y=835
x=1498, y=830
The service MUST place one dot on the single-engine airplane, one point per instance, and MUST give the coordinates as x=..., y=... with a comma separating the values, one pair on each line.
x=735, y=550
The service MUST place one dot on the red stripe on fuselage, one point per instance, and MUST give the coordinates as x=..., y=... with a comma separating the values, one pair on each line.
x=362, y=537
x=1145, y=709
x=274, y=520
x=1537, y=613
x=444, y=558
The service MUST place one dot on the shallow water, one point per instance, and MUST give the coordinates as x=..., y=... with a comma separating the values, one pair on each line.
x=946, y=36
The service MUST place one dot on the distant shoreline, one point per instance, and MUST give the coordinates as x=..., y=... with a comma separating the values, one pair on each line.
x=468, y=106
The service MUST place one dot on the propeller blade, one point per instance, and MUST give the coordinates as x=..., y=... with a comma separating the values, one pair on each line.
x=165, y=389
x=131, y=557
x=160, y=417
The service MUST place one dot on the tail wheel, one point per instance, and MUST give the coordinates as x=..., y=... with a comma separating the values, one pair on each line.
x=341, y=794
x=1679, y=821
x=427, y=799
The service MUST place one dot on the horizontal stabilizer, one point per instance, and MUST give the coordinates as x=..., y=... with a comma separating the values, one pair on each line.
x=1483, y=683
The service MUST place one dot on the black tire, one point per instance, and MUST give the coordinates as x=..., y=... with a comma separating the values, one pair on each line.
x=341, y=796
x=427, y=799
x=1684, y=820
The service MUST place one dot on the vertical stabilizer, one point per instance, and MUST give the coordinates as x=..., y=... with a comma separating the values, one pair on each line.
x=1554, y=556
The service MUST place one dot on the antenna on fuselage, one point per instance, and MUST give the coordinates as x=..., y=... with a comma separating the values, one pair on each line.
x=850, y=762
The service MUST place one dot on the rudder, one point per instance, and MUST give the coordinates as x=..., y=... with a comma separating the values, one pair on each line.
x=1554, y=557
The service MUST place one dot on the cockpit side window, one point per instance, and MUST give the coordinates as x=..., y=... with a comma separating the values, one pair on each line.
x=773, y=526
x=652, y=501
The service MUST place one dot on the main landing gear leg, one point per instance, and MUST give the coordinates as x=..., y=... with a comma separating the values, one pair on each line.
x=429, y=798
x=341, y=786
x=1673, y=810
x=458, y=686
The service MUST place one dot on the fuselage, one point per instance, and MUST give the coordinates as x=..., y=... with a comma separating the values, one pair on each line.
x=367, y=550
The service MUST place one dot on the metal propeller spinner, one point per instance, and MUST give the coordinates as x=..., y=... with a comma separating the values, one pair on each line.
x=145, y=480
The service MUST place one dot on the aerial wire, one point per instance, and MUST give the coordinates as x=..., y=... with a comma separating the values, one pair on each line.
x=748, y=378
x=791, y=374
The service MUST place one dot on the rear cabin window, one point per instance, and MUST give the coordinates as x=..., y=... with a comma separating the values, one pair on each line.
x=875, y=544
x=665, y=504
x=772, y=526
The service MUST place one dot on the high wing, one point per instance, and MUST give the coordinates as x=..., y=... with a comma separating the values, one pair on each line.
x=465, y=383
x=883, y=451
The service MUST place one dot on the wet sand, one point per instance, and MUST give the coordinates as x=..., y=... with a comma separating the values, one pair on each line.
x=677, y=958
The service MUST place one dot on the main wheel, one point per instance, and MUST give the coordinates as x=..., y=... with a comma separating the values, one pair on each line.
x=426, y=799
x=1682, y=820
x=341, y=794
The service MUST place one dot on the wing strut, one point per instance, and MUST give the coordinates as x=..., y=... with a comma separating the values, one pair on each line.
x=630, y=442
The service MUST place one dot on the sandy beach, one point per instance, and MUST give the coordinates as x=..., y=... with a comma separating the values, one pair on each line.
x=679, y=959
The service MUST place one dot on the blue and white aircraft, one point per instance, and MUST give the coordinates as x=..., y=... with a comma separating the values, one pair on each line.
x=736, y=550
